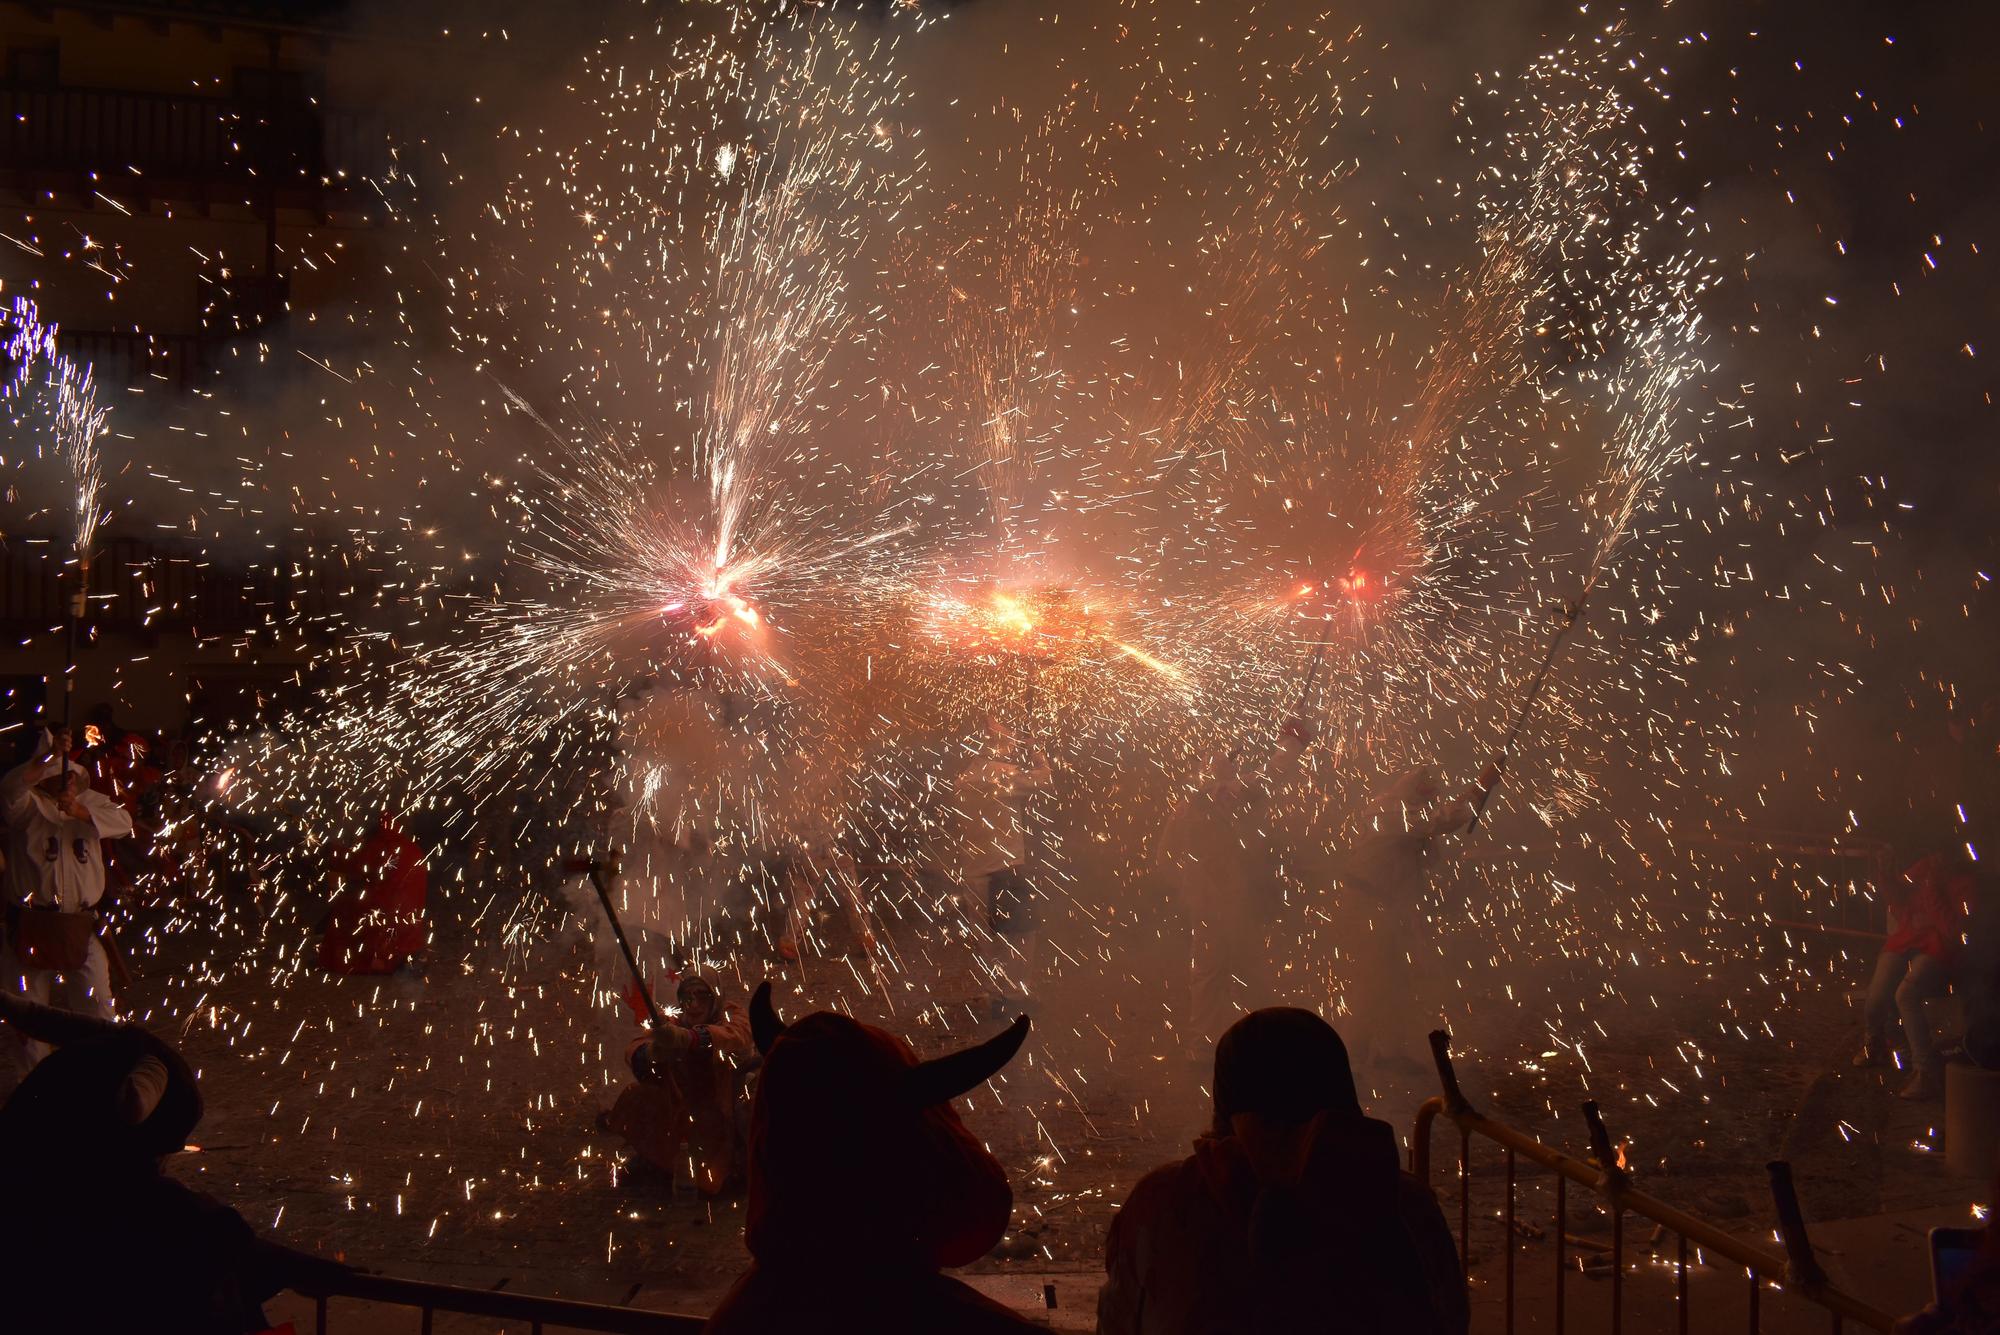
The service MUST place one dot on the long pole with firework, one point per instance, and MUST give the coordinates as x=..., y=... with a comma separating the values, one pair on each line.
x=1355, y=589
x=76, y=607
x=594, y=868
x=1572, y=613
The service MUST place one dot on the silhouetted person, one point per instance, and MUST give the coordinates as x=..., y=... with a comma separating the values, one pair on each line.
x=864, y=1185
x=94, y=1237
x=1292, y=1216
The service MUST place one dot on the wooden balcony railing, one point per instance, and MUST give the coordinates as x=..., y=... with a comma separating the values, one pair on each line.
x=172, y=146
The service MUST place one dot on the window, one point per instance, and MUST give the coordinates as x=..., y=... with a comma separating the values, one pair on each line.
x=36, y=65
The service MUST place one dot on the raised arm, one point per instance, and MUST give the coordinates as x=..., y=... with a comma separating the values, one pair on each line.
x=1457, y=815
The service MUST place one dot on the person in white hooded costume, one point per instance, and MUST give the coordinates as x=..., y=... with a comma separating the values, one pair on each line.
x=56, y=825
x=1399, y=989
x=1216, y=856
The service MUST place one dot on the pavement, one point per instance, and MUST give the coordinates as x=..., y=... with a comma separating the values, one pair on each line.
x=441, y=1127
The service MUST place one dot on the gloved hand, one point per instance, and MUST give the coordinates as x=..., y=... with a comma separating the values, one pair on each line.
x=54, y=745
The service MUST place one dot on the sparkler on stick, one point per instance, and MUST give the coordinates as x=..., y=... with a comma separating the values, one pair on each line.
x=1355, y=586
x=75, y=607
x=77, y=423
x=594, y=868
x=1572, y=613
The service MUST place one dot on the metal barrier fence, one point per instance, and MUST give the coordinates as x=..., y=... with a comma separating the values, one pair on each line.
x=537, y=1313
x=1795, y=1270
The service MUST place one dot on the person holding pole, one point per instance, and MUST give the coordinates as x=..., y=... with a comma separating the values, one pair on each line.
x=1397, y=992
x=992, y=793
x=687, y=1112
x=1216, y=858
x=56, y=825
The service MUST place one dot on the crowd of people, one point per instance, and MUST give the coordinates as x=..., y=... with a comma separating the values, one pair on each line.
x=92, y=816
x=862, y=1180
x=856, y=1171
x=1292, y=1214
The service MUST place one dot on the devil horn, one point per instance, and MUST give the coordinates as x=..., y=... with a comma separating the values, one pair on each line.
x=50, y=1024
x=765, y=1027
x=942, y=1079
x=142, y=1090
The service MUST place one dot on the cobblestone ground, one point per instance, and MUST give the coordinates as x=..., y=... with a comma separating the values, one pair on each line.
x=442, y=1126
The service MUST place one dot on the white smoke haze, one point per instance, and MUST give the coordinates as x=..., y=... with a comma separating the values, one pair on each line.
x=1141, y=373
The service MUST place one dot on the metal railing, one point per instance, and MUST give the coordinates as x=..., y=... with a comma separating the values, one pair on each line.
x=160, y=144
x=536, y=1312
x=1795, y=1270
x=177, y=361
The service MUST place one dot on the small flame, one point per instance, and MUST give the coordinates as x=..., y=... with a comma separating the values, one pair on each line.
x=1010, y=614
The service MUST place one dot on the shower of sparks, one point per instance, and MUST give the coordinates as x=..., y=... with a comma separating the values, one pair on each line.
x=42, y=380
x=823, y=454
x=761, y=472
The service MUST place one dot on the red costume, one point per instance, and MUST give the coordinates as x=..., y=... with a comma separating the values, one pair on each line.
x=683, y=1116
x=1930, y=904
x=864, y=1184
x=377, y=918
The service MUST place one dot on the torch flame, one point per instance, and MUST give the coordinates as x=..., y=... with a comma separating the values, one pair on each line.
x=1011, y=615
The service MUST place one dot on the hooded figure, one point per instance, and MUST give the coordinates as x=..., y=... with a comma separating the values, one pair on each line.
x=864, y=1184
x=1398, y=991
x=56, y=825
x=1293, y=1215
x=1215, y=858
x=376, y=922
x=95, y=1236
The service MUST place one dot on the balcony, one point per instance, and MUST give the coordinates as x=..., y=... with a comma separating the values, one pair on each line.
x=138, y=586
x=178, y=362
x=133, y=146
